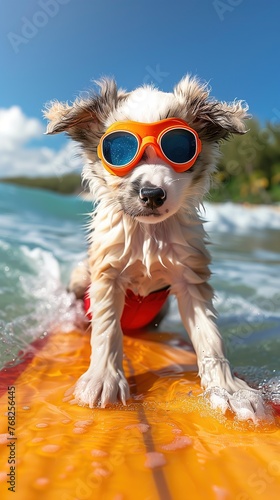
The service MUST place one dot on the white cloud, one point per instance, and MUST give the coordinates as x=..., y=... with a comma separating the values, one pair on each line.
x=19, y=158
x=16, y=129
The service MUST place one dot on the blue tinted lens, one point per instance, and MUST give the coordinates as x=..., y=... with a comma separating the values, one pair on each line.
x=179, y=145
x=119, y=148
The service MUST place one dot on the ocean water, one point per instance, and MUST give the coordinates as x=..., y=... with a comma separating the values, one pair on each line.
x=42, y=236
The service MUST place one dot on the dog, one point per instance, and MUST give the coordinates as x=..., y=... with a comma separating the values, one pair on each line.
x=149, y=157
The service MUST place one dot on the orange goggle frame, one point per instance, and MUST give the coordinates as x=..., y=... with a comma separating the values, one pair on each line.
x=123, y=144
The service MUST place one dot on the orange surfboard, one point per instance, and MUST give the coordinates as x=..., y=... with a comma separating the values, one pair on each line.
x=165, y=444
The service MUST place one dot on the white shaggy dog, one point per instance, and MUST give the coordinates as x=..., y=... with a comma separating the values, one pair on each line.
x=146, y=242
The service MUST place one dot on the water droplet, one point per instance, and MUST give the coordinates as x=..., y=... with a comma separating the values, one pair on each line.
x=51, y=448
x=41, y=482
x=42, y=425
x=99, y=453
x=154, y=459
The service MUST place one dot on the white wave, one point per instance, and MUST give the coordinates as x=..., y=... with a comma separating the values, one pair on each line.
x=234, y=218
x=41, y=302
x=55, y=306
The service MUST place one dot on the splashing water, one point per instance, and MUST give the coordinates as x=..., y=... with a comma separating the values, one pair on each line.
x=42, y=238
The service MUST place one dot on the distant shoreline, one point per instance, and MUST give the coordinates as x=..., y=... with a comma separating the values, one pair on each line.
x=70, y=184
x=64, y=184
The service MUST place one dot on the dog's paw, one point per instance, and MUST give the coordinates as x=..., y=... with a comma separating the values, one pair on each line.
x=108, y=388
x=246, y=404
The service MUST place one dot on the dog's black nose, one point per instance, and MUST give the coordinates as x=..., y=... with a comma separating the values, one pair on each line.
x=152, y=197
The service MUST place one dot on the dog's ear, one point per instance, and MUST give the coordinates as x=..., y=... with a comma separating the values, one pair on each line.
x=84, y=115
x=63, y=117
x=212, y=119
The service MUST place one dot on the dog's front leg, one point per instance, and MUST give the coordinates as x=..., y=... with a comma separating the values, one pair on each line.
x=225, y=391
x=104, y=382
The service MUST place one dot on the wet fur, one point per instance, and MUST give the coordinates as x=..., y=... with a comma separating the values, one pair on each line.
x=144, y=248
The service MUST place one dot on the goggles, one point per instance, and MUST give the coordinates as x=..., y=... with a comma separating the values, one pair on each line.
x=123, y=144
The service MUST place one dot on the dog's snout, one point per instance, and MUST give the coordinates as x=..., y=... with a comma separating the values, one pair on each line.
x=152, y=197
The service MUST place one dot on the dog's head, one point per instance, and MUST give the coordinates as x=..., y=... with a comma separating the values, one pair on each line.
x=152, y=191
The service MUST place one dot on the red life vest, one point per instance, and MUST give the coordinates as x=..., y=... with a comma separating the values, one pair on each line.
x=138, y=311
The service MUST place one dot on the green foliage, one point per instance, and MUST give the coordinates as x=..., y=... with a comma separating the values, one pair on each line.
x=65, y=184
x=249, y=168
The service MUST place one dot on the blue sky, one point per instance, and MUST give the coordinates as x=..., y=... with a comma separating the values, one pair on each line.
x=55, y=48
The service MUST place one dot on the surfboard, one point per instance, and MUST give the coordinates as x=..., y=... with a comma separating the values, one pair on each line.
x=165, y=444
